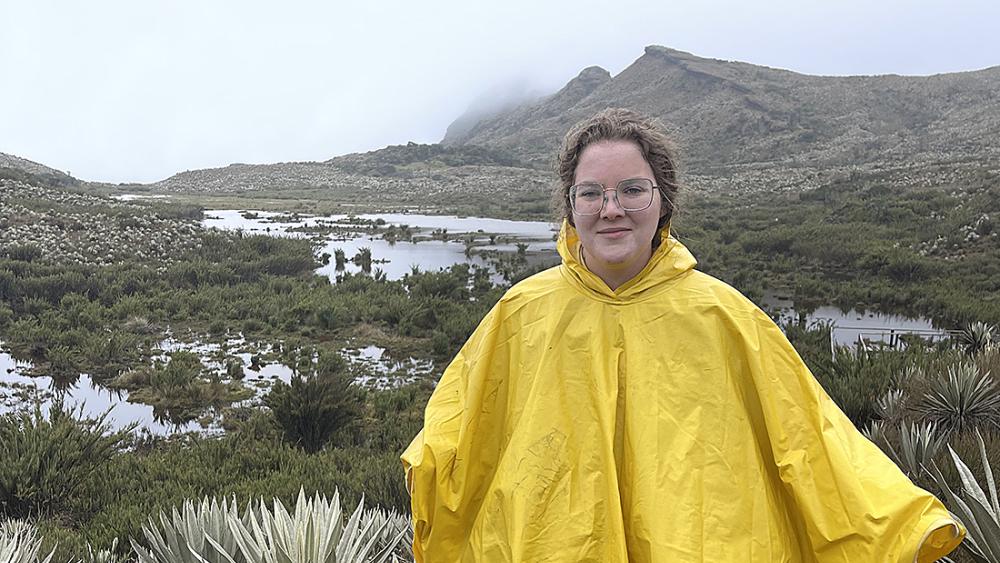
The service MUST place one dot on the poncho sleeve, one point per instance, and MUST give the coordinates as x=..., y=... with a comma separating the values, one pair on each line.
x=851, y=502
x=450, y=462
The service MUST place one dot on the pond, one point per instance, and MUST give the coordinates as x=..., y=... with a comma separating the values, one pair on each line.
x=18, y=390
x=396, y=258
x=371, y=367
x=847, y=327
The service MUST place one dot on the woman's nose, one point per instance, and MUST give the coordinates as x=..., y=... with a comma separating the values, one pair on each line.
x=611, y=206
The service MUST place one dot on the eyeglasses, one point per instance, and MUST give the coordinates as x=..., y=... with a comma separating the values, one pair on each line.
x=634, y=194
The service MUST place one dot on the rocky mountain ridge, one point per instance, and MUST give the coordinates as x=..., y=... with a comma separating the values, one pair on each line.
x=727, y=113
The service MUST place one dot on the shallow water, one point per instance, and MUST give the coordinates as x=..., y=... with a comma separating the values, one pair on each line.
x=396, y=259
x=373, y=368
x=850, y=326
x=93, y=398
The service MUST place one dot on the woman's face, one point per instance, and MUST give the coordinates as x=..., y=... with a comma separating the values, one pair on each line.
x=616, y=244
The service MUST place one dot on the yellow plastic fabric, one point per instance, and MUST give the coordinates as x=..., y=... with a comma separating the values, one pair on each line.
x=667, y=421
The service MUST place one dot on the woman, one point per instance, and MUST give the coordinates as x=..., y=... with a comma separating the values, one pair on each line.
x=625, y=407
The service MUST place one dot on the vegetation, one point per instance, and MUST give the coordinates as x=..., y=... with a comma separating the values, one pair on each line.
x=315, y=531
x=19, y=543
x=313, y=407
x=978, y=513
x=869, y=241
x=912, y=250
x=46, y=460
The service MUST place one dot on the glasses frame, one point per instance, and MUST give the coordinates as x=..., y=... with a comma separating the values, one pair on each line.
x=572, y=193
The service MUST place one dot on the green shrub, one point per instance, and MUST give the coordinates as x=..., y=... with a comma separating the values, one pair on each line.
x=962, y=398
x=6, y=313
x=23, y=252
x=856, y=380
x=45, y=460
x=977, y=337
x=313, y=407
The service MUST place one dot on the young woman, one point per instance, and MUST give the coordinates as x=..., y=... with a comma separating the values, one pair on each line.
x=624, y=407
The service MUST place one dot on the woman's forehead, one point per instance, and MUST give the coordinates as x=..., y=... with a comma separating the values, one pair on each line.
x=611, y=161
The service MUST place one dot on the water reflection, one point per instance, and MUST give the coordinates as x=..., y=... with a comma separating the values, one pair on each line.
x=19, y=391
x=374, y=368
x=371, y=366
x=850, y=326
x=396, y=258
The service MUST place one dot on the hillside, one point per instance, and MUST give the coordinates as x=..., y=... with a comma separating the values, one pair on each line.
x=15, y=164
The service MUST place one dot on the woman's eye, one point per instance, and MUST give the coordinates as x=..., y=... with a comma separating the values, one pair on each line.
x=588, y=193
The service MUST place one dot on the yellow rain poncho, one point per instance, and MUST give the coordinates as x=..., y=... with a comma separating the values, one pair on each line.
x=669, y=421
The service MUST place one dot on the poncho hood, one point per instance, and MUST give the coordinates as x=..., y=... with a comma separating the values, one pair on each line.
x=669, y=260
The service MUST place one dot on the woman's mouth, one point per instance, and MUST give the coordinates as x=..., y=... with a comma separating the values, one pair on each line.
x=613, y=233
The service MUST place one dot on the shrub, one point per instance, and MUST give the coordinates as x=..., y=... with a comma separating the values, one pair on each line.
x=313, y=407
x=857, y=379
x=45, y=460
x=976, y=337
x=23, y=252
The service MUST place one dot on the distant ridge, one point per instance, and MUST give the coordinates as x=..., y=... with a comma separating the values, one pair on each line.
x=739, y=125
x=29, y=166
x=725, y=113
x=40, y=172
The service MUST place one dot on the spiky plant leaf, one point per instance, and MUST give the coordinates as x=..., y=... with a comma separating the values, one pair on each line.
x=19, y=543
x=973, y=508
x=977, y=336
x=314, y=533
x=195, y=534
x=101, y=555
x=965, y=398
x=890, y=406
x=919, y=443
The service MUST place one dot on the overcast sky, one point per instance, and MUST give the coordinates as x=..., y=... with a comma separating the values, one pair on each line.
x=138, y=90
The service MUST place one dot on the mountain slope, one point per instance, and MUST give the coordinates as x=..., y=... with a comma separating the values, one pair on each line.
x=49, y=175
x=725, y=113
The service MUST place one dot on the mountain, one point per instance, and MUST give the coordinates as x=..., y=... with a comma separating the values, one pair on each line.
x=726, y=113
x=741, y=128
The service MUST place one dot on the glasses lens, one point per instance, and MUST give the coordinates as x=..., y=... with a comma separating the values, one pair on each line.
x=635, y=195
x=587, y=199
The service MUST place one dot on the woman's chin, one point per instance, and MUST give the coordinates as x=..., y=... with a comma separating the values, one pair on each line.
x=614, y=259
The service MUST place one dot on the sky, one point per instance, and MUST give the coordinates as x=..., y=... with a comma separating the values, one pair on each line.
x=135, y=91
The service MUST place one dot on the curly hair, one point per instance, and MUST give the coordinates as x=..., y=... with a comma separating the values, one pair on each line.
x=620, y=124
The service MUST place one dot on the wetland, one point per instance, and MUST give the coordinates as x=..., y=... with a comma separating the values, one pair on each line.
x=252, y=349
